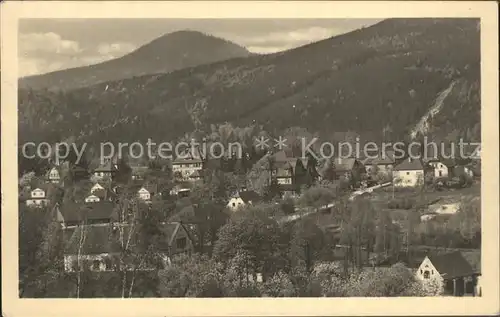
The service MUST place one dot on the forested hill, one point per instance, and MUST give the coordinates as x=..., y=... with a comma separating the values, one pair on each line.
x=380, y=80
x=167, y=53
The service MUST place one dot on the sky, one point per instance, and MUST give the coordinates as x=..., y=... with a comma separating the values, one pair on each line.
x=46, y=45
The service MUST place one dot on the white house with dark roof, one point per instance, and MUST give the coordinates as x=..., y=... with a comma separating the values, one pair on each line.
x=38, y=198
x=53, y=175
x=243, y=198
x=96, y=187
x=452, y=273
x=195, y=176
x=144, y=194
x=186, y=164
x=92, y=199
x=409, y=173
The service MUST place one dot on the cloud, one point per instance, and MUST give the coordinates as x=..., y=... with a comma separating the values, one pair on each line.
x=268, y=49
x=34, y=66
x=33, y=43
x=279, y=41
x=115, y=49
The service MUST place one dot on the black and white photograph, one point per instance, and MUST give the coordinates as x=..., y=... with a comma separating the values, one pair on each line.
x=330, y=157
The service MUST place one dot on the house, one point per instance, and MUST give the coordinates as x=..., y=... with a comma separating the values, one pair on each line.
x=180, y=191
x=464, y=170
x=37, y=198
x=284, y=173
x=96, y=247
x=96, y=187
x=96, y=213
x=92, y=199
x=287, y=169
x=442, y=168
x=195, y=176
x=138, y=170
x=186, y=164
x=105, y=194
x=289, y=191
x=451, y=272
x=348, y=168
x=382, y=163
x=106, y=170
x=78, y=172
x=409, y=173
x=144, y=194
x=53, y=175
x=147, y=191
x=243, y=198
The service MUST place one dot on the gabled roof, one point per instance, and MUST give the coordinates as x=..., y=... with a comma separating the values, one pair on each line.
x=152, y=188
x=409, y=165
x=92, y=196
x=76, y=168
x=106, y=167
x=73, y=212
x=195, y=174
x=381, y=159
x=344, y=164
x=106, y=238
x=283, y=156
x=91, y=240
x=104, y=193
x=189, y=155
x=249, y=195
x=139, y=169
x=289, y=187
x=451, y=265
x=41, y=187
x=57, y=168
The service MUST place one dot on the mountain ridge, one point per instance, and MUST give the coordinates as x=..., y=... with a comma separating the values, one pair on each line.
x=167, y=53
x=381, y=78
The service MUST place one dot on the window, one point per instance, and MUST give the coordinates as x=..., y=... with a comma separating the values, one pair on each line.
x=440, y=173
x=181, y=243
x=421, y=271
x=432, y=272
x=234, y=204
x=407, y=173
x=426, y=274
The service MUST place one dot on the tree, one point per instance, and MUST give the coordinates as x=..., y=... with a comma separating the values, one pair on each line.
x=140, y=242
x=382, y=282
x=254, y=239
x=279, y=285
x=259, y=176
x=39, y=257
x=191, y=276
x=327, y=170
x=318, y=196
x=358, y=230
x=308, y=243
x=329, y=276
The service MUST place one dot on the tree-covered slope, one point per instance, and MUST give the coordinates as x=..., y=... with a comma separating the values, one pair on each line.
x=383, y=78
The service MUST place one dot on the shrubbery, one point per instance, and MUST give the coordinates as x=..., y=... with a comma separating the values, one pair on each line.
x=401, y=203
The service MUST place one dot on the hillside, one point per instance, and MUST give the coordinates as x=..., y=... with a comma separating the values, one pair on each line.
x=167, y=53
x=381, y=78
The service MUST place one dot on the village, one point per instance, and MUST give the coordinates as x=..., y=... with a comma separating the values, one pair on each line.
x=94, y=216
